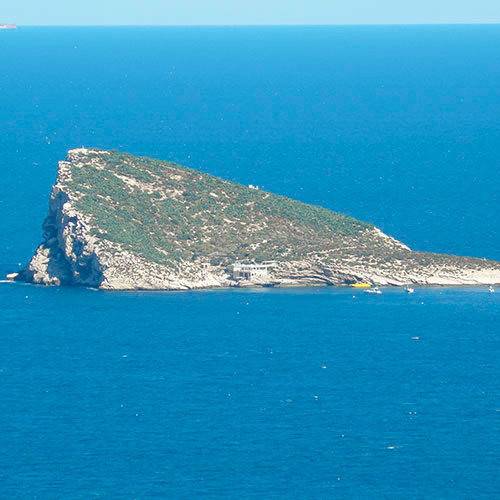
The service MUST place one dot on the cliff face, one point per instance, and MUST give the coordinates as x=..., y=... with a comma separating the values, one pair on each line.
x=121, y=222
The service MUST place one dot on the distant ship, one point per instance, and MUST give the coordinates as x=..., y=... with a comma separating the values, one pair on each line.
x=8, y=26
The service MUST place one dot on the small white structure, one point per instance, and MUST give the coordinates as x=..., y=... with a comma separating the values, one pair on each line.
x=252, y=272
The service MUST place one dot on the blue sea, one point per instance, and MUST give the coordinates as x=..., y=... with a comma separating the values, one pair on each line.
x=320, y=393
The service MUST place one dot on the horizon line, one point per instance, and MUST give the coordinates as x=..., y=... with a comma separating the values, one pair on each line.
x=246, y=25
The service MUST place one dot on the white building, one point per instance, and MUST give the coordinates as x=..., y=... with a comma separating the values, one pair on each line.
x=252, y=272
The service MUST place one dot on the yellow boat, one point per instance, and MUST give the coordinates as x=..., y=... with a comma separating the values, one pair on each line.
x=360, y=285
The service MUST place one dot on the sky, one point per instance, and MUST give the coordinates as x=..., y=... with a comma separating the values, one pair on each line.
x=247, y=12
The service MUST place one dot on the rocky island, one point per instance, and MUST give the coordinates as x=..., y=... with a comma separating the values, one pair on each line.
x=120, y=222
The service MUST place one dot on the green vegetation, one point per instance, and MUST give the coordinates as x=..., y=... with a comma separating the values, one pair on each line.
x=165, y=212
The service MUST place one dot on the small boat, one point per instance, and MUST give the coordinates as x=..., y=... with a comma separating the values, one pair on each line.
x=375, y=290
x=8, y=26
x=410, y=290
x=360, y=285
x=491, y=289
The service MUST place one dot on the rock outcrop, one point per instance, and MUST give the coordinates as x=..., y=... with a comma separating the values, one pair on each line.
x=120, y=222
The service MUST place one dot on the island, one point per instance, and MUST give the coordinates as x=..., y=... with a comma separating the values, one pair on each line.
x=123, y=222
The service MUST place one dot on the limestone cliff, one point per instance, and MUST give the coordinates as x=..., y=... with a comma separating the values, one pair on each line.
x=121, y=222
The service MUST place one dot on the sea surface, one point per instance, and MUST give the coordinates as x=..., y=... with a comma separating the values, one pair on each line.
x=301, y=393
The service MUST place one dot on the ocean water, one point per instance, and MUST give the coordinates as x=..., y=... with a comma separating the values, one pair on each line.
x=300, y=393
